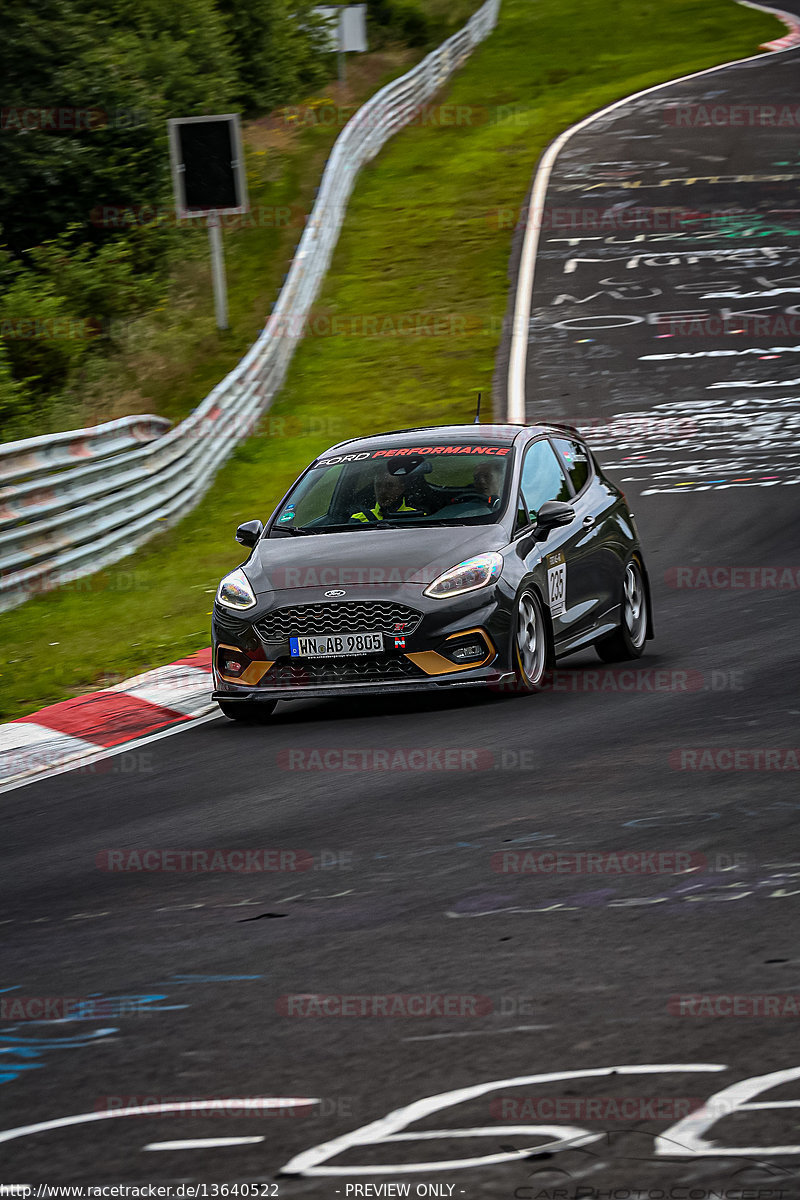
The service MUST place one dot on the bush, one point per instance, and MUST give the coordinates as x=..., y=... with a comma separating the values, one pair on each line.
x=280, y=50
x=391, y=20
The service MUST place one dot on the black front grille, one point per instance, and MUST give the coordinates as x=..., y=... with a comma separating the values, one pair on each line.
x=356, y=616
x=288, y=672
x=235, y=630
x=229, y=622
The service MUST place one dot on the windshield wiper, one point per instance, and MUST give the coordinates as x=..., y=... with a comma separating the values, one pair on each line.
x=360, y=525
x=452, y=524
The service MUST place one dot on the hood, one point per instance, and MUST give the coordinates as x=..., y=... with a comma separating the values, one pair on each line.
x=379, y=558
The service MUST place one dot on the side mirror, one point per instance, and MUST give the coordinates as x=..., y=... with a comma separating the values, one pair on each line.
x=249, y=533
x=551, y=514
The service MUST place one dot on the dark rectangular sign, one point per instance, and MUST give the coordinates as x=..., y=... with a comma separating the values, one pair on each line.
x=207, y=165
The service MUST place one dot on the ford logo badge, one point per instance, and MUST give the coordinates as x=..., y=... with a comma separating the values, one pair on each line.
x=335, y=592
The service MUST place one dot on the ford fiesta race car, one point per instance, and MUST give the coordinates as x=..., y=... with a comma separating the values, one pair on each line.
x=430, y=559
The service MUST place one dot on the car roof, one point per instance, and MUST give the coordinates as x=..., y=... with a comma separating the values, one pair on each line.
x=505, y=434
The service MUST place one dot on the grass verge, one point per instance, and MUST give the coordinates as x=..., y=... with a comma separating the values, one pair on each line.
x=422, y=239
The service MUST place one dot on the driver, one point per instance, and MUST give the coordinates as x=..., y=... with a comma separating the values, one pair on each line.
x=390, y=498
x=488, y=479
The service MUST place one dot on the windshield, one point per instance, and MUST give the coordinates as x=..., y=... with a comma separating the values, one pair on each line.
x=385, y=489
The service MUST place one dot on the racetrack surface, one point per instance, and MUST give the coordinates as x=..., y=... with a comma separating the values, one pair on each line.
x=405, y=896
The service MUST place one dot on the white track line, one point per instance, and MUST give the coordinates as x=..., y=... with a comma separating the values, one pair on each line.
x=530, y=246
x=257, y=1103
x=435, y=1037
x=204, y=1143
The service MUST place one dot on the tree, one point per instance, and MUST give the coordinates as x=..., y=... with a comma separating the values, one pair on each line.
x=280, y=47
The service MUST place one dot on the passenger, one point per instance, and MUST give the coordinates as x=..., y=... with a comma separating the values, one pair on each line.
x=488, y=479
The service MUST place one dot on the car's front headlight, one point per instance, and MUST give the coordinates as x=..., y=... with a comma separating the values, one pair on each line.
x=467, y=576
x=235, y=591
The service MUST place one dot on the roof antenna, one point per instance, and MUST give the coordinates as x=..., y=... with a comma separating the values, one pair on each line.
x=477, y=420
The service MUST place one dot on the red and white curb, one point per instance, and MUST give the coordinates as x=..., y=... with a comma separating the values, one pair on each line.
x=78, y=732
x=790, y=20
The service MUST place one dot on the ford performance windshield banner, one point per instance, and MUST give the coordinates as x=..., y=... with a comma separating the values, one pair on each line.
x=363, y=455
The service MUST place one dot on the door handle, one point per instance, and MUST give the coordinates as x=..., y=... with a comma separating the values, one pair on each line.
x=588, y=522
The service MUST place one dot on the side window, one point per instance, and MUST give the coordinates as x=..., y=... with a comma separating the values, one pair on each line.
x=542, y=478
x=574, y=459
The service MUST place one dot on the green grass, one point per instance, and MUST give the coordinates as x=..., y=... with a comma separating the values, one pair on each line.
x=419, y=239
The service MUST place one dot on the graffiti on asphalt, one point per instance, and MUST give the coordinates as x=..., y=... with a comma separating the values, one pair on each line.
x=782, y=882
x=22, y=1051
x=696, y=446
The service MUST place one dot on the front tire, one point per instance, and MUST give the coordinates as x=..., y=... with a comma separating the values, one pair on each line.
x=529, y=649
x=629, y=639
x=248, y=712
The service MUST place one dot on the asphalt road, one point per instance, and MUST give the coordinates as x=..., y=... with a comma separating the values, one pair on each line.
x=576, y=971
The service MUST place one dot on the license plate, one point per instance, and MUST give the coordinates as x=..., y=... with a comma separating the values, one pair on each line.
x=339, y=645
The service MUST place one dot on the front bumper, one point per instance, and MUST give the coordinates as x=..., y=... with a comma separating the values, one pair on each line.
x=419, y=662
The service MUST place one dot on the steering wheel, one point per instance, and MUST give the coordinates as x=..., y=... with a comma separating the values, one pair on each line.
x=472, y=495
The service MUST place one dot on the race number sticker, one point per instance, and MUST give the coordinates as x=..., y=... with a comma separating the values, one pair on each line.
x=557, y=583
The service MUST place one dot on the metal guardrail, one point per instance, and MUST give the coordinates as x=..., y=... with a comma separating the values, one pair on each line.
x=72, y=503
x=22, y=460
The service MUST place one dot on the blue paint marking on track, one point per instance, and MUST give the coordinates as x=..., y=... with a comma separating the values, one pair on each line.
x=24, y=1046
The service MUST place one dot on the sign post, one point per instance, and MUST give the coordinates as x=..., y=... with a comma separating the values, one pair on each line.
x=347, y=25
x=218, y=271
x=208, y=180
x=341, y=63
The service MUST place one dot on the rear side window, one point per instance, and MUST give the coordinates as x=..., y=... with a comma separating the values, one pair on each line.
x=575, y=460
